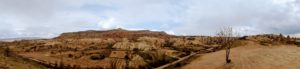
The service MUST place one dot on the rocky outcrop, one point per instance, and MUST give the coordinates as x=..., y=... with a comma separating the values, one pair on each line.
x=115, y=33
x=126, y=45
x=137, y=62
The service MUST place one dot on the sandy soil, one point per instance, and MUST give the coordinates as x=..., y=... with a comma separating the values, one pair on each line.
x=251, y=56
x=14, y=63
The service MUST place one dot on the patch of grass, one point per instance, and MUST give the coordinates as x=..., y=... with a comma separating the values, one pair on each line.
x=239, y=43
x=264, y=43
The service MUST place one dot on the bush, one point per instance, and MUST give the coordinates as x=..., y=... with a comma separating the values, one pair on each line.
x=146, y=56
x=6, y=52
x=97, y=57
x=190, y=38
x=265, y=43
x=297, y=44
x=70, y=55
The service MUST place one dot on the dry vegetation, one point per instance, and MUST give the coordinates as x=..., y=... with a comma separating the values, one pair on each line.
x=7, y=62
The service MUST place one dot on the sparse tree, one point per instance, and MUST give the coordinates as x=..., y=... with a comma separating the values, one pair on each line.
x=127, y=60
x=6, y=52
x=288, y=38
x=226, y=36
x=281, y=38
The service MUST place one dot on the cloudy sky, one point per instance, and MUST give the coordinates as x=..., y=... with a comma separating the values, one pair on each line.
x=49, y=18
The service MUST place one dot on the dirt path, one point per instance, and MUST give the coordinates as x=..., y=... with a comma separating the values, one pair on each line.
x=251, y=56
x=175, y=62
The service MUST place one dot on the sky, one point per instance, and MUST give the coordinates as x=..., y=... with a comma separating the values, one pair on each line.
x=50, y=18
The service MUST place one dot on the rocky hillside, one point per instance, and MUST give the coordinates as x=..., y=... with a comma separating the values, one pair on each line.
x=115, y=33
x=113, y=49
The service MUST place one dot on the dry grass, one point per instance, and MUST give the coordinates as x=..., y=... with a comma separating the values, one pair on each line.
x=16, y=63
x=252, y=56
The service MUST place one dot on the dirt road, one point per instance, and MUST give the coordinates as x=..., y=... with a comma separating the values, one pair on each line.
x=252, y=56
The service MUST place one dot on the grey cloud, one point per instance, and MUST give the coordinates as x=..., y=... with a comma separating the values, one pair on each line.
x=42, y=18
x=207, y=16
x=48, y=18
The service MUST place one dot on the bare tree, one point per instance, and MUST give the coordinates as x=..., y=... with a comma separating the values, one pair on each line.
x=226, y=36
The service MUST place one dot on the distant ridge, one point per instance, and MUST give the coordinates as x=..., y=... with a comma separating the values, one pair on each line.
x=20, y=38
x=114, y=33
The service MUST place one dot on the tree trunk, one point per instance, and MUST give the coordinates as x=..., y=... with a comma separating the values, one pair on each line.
x=227, y=55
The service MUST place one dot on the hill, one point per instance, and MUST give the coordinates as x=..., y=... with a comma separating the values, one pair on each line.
x=117, y=48
x=20, y=38
x=115, y=33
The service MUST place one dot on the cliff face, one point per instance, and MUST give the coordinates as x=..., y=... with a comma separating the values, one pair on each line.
x=116, y=33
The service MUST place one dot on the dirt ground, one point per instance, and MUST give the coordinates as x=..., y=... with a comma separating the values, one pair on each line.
x=68, y=61
x=251, y=56
x=16, y=63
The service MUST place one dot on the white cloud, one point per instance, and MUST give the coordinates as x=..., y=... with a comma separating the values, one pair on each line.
x=171, y=32
x=282, y=2
x=107, y=24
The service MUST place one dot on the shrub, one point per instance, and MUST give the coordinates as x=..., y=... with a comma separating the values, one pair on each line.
x=297, y=44
x=70, y=55
x=190, y=38
x=135, y=49
x=146, y=56
x=6, y=52
x=265, y=43
x=168, y=44
x=97, y=57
